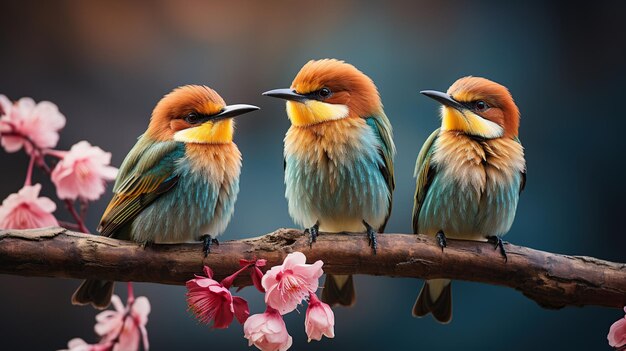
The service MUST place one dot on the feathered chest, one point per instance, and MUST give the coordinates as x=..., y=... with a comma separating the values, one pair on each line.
x=475, y=188
x=332, y=175
x=213, y=163
x=478, y=163
x=331, y=150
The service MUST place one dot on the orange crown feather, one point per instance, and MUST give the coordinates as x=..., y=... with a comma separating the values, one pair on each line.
x=350, y=86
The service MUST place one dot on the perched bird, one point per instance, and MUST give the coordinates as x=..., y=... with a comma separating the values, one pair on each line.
x=470, y=173
x=178, y=183
x=338, y=158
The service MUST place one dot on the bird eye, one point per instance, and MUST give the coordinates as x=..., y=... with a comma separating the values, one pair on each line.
x=481, y=106
x=192, y=118
x=324, y=93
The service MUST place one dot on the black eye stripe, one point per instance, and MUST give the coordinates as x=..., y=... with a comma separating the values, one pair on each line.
x=320, y=94
x=477, y=105
x=195, y=117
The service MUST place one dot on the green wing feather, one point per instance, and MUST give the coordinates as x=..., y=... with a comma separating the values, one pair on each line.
x=382, y=127
x=145, y=174
x=424, y=174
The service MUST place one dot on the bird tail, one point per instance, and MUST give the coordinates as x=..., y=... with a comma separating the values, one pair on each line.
x=339, y=290
x=435, y=298
x=95, y=292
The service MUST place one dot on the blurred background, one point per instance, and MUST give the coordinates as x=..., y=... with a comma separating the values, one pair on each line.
x=106, y=64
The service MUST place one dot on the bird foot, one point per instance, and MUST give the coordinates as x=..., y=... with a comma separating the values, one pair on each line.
x=147, y=244
x=207, y=241
x=312, y=233
x=371, y=237
x=497, y=241
x=441, y=240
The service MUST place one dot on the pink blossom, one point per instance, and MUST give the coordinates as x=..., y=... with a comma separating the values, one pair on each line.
x=212, y=301
x=40, y=123
x=26, y=210
x=255, y=274
x=320, y=320
x=267, y=331
x=78, y=344
x=617, y=333
x=82, y=172
x=288, y=284
x=126, y=325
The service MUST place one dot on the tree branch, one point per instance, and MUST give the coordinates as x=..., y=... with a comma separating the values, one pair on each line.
x=552, y=280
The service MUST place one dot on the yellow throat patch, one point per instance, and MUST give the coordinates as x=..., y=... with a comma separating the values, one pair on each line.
x=313, y=112
x=469, y=123
x=219, y=132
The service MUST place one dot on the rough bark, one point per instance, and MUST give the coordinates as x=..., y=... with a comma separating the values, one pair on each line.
x=552, y=280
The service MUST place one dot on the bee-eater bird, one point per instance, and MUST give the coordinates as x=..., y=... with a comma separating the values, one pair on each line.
x=338, y=158
x=178, y=183
x=470, y=173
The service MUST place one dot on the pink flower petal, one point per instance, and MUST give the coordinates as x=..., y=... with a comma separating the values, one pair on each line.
x=288, y=284
x=129, y=338
x=83, y=172
x=267, y=331
x=320, y=320
x=617, y=333
x=223, y=316
x=257, y=277
x=117, y=303
x=78, y=344
x=39, y=123
x=105, y=315
x=293, y=259
x=5, y=105
x=141, y=309
x=11, y=143
x=123, y=329
x=45, y=204
x=211, y=301
x=242, y=311
x=309, y=271
x=208, y=271
x=270, y=277
x=144, y=337
x=109, y=326
x=202, y=282
x=25, y=210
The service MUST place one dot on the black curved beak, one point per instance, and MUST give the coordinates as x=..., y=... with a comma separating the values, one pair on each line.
x=444, y=99
x=231, y=111
x=287, y=94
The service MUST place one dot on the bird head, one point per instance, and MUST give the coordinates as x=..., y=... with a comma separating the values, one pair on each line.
x=195, y=114
x=326, y=90
x=478, y=107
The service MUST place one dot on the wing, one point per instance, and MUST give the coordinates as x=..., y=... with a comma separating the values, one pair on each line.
x=382, y=129
x=146, y=173
x=424, y=174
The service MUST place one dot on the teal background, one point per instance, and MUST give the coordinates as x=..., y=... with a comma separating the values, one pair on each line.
x=106, y=64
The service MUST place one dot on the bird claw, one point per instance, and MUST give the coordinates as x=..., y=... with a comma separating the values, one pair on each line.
x=147, y=244
x=498, y=243
x=312, y=233
x=441, y=240
x=207, y=241
x=371, y=237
